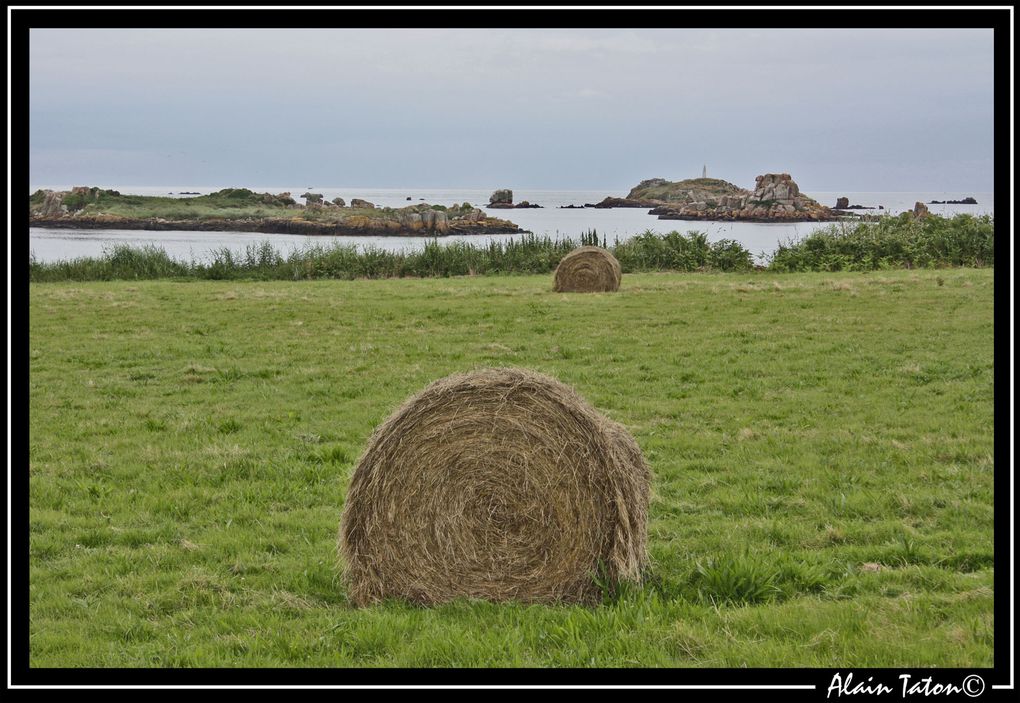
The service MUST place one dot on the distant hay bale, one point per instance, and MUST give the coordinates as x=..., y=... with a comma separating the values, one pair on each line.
x=587, y=270
x=499, y=484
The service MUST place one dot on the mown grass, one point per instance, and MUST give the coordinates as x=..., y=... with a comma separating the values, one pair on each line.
x=821, y=444
x=900, y=242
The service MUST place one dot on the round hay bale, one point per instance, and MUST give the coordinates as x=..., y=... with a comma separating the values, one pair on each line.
x=587, y=270
x=499, y=484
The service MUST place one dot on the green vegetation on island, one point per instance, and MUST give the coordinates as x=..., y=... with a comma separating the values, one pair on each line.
x=240, y=209
x=659, y=190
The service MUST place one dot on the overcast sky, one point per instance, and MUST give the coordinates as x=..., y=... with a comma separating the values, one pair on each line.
x=853, y=110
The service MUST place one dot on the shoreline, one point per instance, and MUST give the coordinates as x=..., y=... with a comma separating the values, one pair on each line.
x=760, y=220
x=382, y=228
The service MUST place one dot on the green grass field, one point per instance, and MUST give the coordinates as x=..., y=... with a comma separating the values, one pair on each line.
x=821, y=444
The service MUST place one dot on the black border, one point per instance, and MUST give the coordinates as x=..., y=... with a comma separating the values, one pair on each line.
x=21, y=20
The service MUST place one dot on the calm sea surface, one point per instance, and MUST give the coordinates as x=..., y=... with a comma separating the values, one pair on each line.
x=620, y=223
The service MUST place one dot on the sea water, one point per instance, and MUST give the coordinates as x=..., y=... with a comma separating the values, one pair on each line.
x=54, y=244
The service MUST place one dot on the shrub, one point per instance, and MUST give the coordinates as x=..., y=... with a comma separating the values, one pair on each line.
x=901, y=241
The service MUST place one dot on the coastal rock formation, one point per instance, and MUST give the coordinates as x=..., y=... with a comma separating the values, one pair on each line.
x=359, y=203
x=339, y=202
x=776, y=198
x=609, y=202
x=431, y=220
x=60, y=202
x=504, y=197
x=426, y=218
x=92, y=208
x=53, y=203
x=920, y=210
x=965, y=201
x=659, y=191
x=312, y=197
x=844, y=204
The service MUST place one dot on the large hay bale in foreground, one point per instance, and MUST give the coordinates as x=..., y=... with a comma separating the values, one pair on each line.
x=587, y=270
x=501, y=484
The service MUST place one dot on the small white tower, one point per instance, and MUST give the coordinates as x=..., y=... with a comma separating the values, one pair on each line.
x=704, y=171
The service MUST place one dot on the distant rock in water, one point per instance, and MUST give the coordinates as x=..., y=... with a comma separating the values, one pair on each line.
x=965, y=201
x=844, y=204
x=920, y=210
x=610, y=202
x=503, y=197
x=359, y=203
x=339, y=202
x=776, y=198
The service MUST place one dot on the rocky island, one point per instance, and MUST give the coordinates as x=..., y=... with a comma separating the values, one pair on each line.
x=966, y=201
x=775, y=198
x=242, y=210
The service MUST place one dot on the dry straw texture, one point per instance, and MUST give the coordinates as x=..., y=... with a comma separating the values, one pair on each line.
x=587, y=270
x=500, y=484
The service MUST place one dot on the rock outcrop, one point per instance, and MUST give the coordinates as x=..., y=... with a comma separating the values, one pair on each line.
x=965, y=201
x=504, y=197
x=610, y=202
x=53, y=203
x=339, y=202
x=920, y=210
x=359, y=203
x=844, y=204
x=775, y=198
